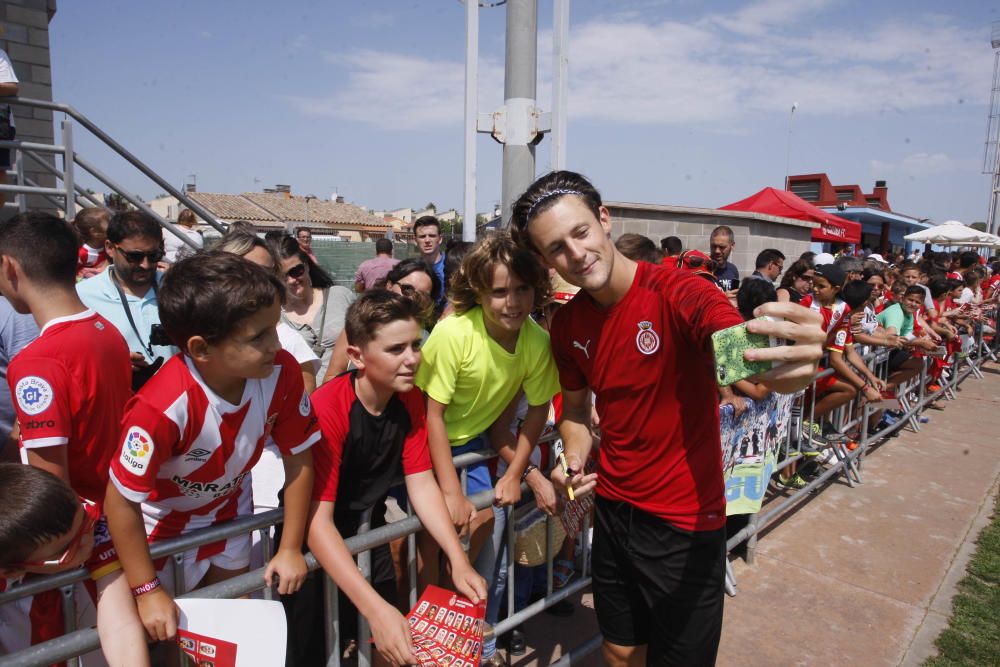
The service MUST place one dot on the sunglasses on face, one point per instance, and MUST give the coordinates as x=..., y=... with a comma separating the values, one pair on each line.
x=136, y=257
x=296, y=271
x=90, y=516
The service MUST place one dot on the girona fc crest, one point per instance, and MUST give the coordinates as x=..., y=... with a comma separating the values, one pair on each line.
x=647, y=340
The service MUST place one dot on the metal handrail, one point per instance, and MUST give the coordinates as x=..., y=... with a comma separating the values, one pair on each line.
x=123, y=152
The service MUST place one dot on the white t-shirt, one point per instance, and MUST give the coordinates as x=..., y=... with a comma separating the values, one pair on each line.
x=296, y=345
x=173, y=245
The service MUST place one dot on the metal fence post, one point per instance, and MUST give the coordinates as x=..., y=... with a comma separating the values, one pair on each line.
x=22, y=198
x=68, y=162
x=68, y=594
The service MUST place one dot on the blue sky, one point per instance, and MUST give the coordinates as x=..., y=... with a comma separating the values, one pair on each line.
x=671, y=101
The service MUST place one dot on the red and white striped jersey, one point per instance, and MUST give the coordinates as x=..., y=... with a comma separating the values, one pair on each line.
x=186, y=453
x=832, y=316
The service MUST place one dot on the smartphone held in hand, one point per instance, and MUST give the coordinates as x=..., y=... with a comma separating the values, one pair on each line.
x=729, y=346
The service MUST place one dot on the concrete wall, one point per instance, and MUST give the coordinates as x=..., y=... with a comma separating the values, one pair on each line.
x=754, y=232
x=25, y=38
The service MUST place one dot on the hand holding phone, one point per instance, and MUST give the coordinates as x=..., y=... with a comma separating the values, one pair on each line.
x=729, y=346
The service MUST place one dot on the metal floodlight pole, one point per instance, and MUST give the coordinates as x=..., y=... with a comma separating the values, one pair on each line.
x=991, y=153
x=520, y=85
x=560, y=81
x=471, y=117
x=788, y=145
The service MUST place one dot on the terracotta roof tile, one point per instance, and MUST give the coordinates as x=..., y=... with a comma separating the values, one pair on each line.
x=274, y=210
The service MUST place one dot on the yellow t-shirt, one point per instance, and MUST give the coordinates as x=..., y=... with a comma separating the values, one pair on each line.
x=476, y=378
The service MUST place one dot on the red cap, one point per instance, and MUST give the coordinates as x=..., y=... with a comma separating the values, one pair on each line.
x=697, y=262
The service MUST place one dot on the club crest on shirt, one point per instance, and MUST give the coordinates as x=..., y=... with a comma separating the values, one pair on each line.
x=647, y=340
x=304, y=405
x=34, y=394
x=136, y=451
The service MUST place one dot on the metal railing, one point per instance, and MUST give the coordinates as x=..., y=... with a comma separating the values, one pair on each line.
x=76, y=642
x=914, y=400
x=847, y=463
x=67, y=197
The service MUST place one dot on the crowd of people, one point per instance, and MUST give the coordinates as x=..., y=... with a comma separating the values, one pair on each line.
x=925, y=310
x=152, y=396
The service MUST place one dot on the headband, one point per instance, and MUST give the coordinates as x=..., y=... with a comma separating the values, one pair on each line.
x=547, y=196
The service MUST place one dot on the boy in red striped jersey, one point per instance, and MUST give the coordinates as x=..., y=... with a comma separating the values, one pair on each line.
x=192, y=434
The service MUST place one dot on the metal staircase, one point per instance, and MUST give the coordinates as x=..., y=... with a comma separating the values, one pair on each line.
x=69, y=196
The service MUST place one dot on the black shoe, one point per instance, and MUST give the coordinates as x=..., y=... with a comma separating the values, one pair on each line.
x=517, y=644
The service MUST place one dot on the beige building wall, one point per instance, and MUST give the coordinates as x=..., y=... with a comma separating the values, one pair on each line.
x=754, y=231
x=25, y=38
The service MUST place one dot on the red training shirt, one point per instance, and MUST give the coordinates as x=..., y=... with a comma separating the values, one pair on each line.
x=70, y=386
x=649, y=361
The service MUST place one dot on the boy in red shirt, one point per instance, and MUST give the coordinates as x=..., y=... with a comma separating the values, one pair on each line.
x=191, y=435
x=69, y=388
x=639, y=336
x=92, y=225
x=840, y=388
x=375, y=429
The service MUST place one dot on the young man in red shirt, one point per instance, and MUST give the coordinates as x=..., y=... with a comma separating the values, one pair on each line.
x=638, y=336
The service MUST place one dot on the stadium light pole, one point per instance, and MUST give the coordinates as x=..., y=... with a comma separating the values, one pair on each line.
x=519, y=91
x=471, y=112
x=788, y=145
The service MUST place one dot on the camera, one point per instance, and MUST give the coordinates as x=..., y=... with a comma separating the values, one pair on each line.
x=142, y=374
x=158, y=336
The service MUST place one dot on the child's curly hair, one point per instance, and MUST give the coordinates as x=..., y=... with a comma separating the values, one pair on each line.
x=475, y=277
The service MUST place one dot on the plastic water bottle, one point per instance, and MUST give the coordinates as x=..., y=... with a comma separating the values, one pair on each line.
x=488, y=658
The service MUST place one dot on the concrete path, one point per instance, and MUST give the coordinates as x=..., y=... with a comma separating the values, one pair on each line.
x=860, y=576
x=865, y=576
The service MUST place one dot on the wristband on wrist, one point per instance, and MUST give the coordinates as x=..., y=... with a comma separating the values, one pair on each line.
x=150, y=585
x=527, y=471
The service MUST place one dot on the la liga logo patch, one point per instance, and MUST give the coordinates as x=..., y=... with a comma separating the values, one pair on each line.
x=34, y=394
x=647, y=340
x=137, y=451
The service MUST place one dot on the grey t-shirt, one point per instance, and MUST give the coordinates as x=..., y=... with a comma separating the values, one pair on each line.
x=16, y=331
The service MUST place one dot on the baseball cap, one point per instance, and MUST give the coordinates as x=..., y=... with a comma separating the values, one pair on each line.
x=877, y=257
x=823, y=258
x=696, y=262
x=833, y=273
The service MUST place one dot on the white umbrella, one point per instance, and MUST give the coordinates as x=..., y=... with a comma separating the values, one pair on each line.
x=952, y=233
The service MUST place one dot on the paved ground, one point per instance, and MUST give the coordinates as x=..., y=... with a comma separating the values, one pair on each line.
x=858, y=576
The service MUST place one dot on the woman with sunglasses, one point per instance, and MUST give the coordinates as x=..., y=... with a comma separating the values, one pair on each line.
x=314, y=306
x=411, y=278
x=797, y=281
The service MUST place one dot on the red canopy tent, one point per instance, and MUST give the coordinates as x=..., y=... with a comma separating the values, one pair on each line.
x=782, y=203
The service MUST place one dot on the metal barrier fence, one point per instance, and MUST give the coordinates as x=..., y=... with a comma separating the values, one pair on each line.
x=77, y=642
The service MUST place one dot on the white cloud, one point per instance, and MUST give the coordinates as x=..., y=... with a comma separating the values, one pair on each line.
x=921, y=164
x=397, y=91
x=720, y=69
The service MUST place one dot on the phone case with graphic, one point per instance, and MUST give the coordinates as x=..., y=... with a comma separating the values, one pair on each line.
x=729, y=345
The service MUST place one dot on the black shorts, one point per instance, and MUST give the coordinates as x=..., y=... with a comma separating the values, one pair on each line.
x=897, y=358
x=657, y=585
